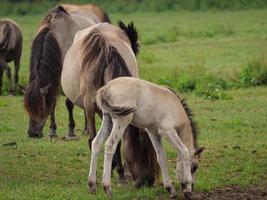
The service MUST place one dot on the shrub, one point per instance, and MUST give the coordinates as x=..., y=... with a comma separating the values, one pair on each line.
x=254, y=73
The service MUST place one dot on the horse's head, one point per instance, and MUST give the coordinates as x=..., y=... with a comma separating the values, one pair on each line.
x=35, y=102
x=195, y=160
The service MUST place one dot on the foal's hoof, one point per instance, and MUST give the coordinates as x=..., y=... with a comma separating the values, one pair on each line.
x=108, y=190
x=91, y=187
x=172, y=191
x=188, y=195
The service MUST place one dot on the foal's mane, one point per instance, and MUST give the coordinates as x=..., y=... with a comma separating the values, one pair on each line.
x=45, y=68
x=190, y=116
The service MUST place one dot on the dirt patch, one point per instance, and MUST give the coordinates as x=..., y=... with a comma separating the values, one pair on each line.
x=234, y=193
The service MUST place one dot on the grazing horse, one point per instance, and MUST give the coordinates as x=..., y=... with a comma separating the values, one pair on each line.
x=160, y=112
x=10, y=49
x=54, y=37
x=99, y=54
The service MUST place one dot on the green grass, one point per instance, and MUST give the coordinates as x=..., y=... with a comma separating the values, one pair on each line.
x=234, y=131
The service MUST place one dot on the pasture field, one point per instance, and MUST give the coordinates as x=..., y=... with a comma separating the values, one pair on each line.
x=233, y=130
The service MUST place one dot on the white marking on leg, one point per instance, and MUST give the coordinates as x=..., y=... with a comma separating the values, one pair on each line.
x=96, y=147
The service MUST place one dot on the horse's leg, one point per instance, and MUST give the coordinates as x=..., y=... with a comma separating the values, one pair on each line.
x=183, y=163
x=70, y=106
x=1, y=78
x=161, y=158
x=53, y=125
x=96, y=147
x=16, y=73
x=8, y=74
x=85, y=130
x=116, y=162
x=120, y=124
x=90, y=109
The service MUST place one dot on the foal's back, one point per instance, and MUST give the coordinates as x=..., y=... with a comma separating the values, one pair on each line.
x=150, y=103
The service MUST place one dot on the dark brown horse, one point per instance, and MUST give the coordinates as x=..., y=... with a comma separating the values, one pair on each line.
x=99, y=54
x=53, y=39
x=10, y=50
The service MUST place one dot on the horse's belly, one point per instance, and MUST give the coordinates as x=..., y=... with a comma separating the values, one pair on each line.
x=70, y=81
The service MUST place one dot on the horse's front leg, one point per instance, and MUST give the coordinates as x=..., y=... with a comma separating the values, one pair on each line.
x=161, y=158
x=97, y=143
x=70, y=106
x=53, y=125
x=120, y=124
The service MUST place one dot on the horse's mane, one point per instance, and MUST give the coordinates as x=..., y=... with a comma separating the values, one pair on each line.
x=190, y=116
x=132, y=34
x=45, y=68
x=8, y=34
x=99, y=53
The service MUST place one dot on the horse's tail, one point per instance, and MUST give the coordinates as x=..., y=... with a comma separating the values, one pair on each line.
x=101, y=55
x=45, y=71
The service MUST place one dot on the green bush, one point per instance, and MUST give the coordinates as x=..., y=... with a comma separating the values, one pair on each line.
x=254, y=73
x=211, y=88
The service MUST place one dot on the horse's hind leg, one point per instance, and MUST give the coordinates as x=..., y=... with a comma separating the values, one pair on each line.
x=161, y=158
x=53, y=125
x=96, y=147
x=120, y=124
x=7, y=70
x=70, y=106
x=116, y=162
x=90, y=109
x=16, y=72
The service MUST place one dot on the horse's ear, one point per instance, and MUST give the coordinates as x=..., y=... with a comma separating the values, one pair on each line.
x=199, y=150
x=44, y=90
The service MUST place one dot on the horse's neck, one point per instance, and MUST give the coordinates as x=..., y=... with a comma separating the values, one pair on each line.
x=187, y=138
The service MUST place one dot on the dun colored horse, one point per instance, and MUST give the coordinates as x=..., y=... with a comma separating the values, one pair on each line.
x=130, y=101
x=99, y=54
x=53, y=39
x=10, y=50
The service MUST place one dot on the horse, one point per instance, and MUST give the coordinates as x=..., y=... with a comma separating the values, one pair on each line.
x=91, y=8
x=10, y=50
x=54, y=37
x=99, y=54
x=128, y=101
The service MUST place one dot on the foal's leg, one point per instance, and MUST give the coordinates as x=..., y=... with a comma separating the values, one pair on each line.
x=120, y=123
x=70, y=106
x=53, y=125
x=183, y=163
x=161, y=157
x=96, y=147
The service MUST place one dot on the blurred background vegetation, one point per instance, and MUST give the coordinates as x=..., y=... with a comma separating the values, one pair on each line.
x=24, y=7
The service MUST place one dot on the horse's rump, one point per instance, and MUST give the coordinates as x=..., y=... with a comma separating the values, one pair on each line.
x=10, y=35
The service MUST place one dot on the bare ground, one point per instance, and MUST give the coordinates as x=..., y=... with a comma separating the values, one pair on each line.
x=234, y=193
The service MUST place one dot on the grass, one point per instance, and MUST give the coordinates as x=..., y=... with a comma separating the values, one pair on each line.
x=233, y=130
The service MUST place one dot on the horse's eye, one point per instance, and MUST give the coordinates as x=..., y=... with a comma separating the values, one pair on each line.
x=194, y=167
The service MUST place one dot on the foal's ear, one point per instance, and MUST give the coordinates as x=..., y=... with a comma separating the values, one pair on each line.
x=199, y=150
x=44, y=90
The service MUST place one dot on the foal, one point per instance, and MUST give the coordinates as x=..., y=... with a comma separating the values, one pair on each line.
x=160, y=112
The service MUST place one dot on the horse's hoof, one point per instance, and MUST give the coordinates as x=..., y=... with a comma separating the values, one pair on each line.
x=108, y=191
x=92, y=187
x=173, y=193
x=69, y=137
x=53, y=136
